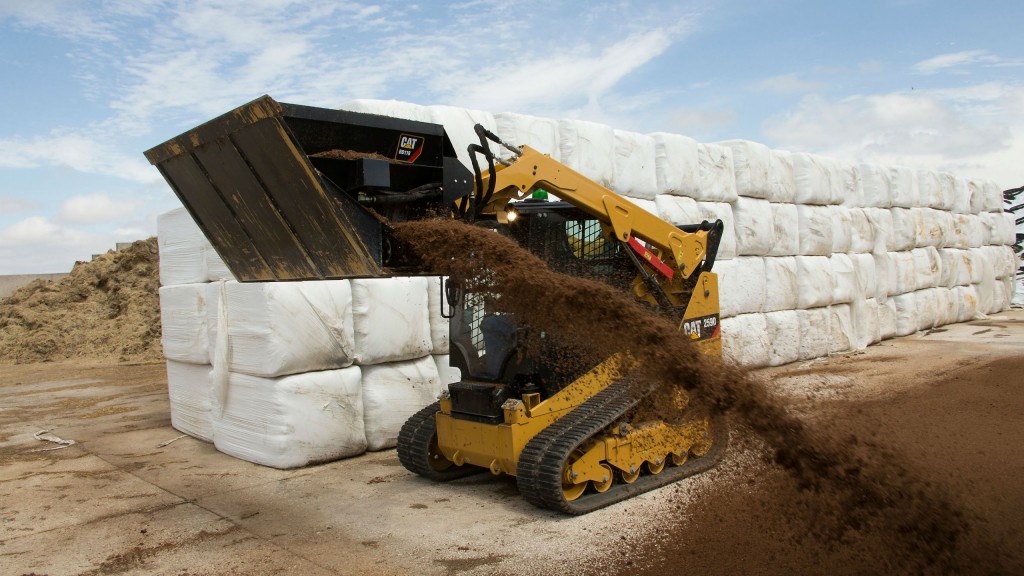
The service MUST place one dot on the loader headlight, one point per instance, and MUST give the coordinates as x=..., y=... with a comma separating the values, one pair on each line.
x=511, y=214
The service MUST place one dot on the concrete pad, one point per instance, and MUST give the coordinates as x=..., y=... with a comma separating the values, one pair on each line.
x=178, y=539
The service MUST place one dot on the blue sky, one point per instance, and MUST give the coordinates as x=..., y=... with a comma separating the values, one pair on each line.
x=91, y=85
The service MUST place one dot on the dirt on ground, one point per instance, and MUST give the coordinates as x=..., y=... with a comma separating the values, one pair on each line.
x=105, y=310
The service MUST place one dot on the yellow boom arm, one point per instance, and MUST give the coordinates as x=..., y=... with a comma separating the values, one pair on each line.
x=682, y=251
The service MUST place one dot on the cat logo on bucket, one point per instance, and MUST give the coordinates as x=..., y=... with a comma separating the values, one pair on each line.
x=409, y=148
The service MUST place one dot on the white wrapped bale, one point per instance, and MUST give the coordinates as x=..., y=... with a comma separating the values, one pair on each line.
x=903, y=183
x=929, y=189
x=967, y=302
x=741, y=285
x=634, y=172
x=588, y=148
x=188, y=388
x=906, y=313
x=927, y=267
x=875, y=186
x=446, y=373
x=1008, y=230
x=390, y=319
x=754, y=228
x=985, y=266
x=815, y=230
x=785, y=230
x=745, y=340
x=815, y=283
x=885, y=275
x=715, y=173
x=992, y=224
x=946, y=230
x=712, y=211
x=781, y=285
x=886, y=319
x=865, y=272
x=976, y=267
x=947, y=307
x=782, y=181
x=390, y=108
x=183, y=322
x=958, y=234
x=976, y=195
x=842, y=229
x=183, y=248
x=815, y=334
x=927, y=304
x=947, y=191
x=1004, y=261
x=292, y=421
x=439, y=325
x=216, y=269
x=852, y=187
x=541, y=134
x=844, y=275
x=961, y=196
x=783, y=331
x=866, y=330
x=813, y=178
x=993, y=196
x=752, y=166
x=862, y=233
x=459, y=124
x=968, y=231
x=882, y=223
x=928, y=226
x=675, y=160
x=841, y=334
x=677, y=210
x=904, y=279
x=955, y=267
x=277, y=328
x=904, y=230
x=649, y=206
x=394, y=392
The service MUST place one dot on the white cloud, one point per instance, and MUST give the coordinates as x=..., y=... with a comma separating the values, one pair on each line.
x=81, y=152
x=555, y=79
x=973, y=129
x=959, y=60
x=95, y=209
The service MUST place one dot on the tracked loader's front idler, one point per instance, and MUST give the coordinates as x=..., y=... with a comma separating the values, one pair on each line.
x=418, y=452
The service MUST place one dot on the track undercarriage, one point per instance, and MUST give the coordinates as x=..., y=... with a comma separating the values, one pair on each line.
x=569, y=455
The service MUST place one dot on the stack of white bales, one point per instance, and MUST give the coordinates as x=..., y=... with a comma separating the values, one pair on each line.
x=291, y=373
x=819, y=256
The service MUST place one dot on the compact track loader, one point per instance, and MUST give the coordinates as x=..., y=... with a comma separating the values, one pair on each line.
x=288, y=192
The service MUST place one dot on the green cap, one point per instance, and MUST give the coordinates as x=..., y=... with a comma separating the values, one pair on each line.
x=540, y=194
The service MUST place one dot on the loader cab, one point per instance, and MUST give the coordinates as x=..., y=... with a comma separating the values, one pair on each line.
x=485, y=343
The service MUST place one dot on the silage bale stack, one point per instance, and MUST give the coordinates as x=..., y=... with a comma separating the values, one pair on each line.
x=287, y=374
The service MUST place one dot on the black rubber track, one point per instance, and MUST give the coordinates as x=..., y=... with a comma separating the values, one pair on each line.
x=414, y=440
x=540, y=466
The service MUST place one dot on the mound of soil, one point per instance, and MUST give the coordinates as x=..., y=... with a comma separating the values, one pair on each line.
x=105, y=310
x=852, y=489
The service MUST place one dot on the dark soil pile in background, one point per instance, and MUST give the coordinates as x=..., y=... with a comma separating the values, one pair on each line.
x=851, y=491
x=105, y=310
